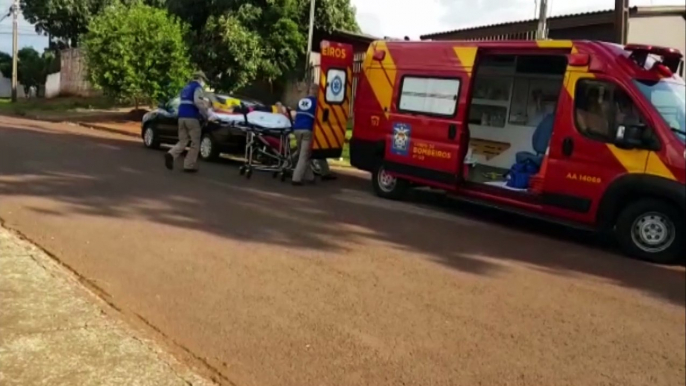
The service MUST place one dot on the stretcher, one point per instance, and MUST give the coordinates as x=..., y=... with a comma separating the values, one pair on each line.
x=267, y=145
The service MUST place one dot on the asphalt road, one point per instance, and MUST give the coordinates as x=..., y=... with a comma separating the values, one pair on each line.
x=268, y=284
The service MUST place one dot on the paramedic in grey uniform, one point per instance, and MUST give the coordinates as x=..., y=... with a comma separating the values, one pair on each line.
x=192, y=108
x=303, y=126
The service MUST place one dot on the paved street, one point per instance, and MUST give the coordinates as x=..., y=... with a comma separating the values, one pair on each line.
x=266, y=284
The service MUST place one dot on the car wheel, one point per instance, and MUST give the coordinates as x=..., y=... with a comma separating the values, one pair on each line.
x=651, y=230
x=388, y=186
x=315, y=168
x=208, y=148
x=150, y=139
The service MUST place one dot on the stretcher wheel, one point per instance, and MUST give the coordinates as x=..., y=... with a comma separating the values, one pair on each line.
x=275, y=175
x=248, y=173
x=283, y=176
x=241, y=170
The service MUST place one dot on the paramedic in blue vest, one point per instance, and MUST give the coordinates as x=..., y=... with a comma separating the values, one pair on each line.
x=192, y=109
x=303, y=126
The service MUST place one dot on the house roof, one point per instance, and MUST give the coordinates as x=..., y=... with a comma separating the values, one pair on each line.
x=592, y=17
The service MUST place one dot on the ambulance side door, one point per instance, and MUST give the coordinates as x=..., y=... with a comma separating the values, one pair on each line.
x=426, y=127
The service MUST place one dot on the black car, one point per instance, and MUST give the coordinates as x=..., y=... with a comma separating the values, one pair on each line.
x=160, y=126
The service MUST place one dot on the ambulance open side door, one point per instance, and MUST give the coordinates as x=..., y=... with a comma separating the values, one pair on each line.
x=333, y=99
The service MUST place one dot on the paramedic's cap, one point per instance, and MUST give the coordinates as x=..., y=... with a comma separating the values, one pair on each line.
x=200, y=75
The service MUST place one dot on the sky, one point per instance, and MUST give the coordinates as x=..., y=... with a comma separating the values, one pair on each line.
x=27, y=34
x=397, y=18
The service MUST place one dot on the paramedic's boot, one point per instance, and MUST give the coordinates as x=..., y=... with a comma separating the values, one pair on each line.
x=169, y=161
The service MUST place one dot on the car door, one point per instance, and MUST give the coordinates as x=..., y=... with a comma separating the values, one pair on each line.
x=167, y=120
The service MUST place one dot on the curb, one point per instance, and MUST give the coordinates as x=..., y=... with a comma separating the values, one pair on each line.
x=105, y=128
x=82, y=124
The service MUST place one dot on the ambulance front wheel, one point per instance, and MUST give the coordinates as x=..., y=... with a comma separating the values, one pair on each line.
x=652, y=230
x=388, y=186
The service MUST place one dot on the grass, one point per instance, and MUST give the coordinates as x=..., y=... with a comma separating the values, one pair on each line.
x=56, y=106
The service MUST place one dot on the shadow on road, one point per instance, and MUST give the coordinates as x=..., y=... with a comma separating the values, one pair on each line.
x=111, y=177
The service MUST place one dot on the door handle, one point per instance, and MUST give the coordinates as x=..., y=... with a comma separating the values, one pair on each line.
x=452, y=131
x=325, y=116
x=568, y=146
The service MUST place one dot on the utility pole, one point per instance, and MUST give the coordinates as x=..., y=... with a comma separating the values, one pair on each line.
x=542, y=31
x=15, y=43
x=310, y=36
x=621, y=20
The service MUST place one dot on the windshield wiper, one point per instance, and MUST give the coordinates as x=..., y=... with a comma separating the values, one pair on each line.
x=678, y=131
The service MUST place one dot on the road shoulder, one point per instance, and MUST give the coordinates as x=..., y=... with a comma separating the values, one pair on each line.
x=54, y=331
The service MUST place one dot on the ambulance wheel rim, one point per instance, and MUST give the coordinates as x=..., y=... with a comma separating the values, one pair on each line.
x=148, y=137
x=653, y=232
x=206, y=147
x=386, y=181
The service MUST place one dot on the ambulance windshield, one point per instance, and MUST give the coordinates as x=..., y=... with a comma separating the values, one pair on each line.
x=669, y=99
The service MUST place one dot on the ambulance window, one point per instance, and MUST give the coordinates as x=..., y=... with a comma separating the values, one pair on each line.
x=600, y=107
x=335, y=86
x=432, y=96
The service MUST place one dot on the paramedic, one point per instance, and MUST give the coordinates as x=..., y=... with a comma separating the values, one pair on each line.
x=193, y=107
x=303, y=126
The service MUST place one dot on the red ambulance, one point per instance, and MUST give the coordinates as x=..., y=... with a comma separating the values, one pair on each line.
x=585, y=133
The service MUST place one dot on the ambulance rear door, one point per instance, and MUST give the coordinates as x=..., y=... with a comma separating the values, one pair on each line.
x=333, y=100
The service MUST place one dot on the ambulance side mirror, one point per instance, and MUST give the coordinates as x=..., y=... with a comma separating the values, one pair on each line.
x=630, y=136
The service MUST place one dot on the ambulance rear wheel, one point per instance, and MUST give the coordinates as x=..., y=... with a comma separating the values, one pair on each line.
x=388, y=186
x=651, y=230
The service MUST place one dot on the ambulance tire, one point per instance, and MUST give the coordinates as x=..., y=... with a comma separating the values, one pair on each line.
x=651, y=230
x=386, y=186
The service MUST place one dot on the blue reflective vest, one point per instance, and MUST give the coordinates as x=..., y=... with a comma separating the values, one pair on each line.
x=187, y=108
x=304, y=114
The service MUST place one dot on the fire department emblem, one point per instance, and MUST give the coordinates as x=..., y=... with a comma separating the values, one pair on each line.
x=401, y=139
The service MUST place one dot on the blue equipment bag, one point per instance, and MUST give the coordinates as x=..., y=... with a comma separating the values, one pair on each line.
x=520, y=173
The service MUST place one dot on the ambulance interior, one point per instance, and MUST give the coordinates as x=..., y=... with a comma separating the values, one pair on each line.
x=514, y=98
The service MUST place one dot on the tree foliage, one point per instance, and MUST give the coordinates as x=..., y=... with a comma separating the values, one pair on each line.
x=279, y=26
x=5, y=64
x=137, y=53
x=69, y=19
x=235, y=54
x=32, y=67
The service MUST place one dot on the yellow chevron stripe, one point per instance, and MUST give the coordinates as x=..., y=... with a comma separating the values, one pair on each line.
x=340, y=128
x=467, y=57
x=381, y=76
x=656, y=167
x=554, y=43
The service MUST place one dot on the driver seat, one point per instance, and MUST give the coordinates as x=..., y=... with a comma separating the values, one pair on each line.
x=539, y=142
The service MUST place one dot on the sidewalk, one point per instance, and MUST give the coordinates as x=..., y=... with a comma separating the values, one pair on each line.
x=53, y=331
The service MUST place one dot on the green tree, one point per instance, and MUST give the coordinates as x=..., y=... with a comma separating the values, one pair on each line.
x=230, y=54
x=280, y=26
x=30, y=68
x=69, y=19
x=136, y=53
x=5, y=64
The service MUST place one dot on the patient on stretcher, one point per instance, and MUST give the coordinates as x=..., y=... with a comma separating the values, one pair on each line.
x=259, y=119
